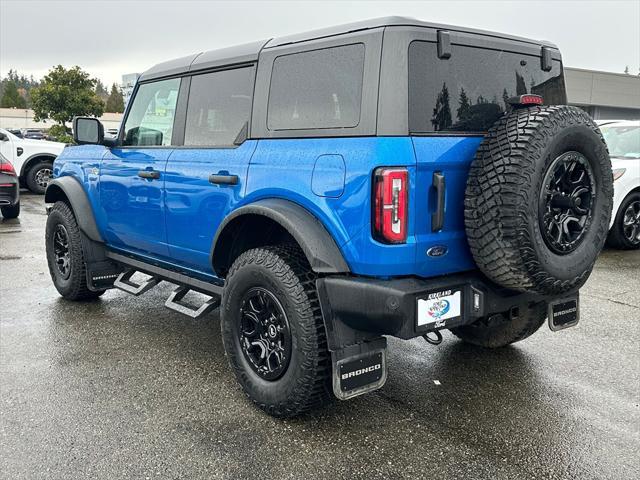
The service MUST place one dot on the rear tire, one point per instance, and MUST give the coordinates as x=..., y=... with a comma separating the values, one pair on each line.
x=625, y=232
x=270, y=299
x=38, y=177
x=65, y=255
x=498, y=330
x=11, y=211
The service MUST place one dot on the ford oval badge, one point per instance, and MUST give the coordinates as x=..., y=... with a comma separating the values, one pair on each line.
x=437, y=251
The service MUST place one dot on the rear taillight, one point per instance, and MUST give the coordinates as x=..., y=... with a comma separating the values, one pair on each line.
x=6, y=167
x=390, y=209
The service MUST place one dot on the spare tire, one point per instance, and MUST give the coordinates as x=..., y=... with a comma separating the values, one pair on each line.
x=538, y=199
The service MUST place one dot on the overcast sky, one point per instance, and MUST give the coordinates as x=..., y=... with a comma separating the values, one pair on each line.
x=110, y=38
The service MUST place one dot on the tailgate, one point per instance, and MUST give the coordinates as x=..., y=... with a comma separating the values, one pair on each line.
x=445, y=250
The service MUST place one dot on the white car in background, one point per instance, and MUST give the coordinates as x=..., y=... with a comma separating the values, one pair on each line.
x=32, y=159
x=623, y=141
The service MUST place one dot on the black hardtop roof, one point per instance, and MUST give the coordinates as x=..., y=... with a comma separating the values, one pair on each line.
x=249, y=52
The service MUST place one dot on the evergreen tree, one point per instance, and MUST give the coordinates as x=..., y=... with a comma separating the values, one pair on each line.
x=11, y=98
x=521, y=86
x=441, y=119
x=115, y=102
x=464, y=108
x=101, y=91
x=505, y=99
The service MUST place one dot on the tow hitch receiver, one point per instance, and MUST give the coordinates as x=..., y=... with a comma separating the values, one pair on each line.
x=360, y=373
x=564, y=313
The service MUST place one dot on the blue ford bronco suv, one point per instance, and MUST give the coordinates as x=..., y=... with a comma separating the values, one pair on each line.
x=326, y=190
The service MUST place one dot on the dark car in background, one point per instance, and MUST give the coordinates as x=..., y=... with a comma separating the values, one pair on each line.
x=33, y=134
x=9, y=190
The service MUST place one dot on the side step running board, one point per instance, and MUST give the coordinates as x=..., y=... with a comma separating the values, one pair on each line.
x=174, y=302
x=124, y=282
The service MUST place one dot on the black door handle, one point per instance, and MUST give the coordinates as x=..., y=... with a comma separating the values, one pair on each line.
x=437, y=218
x=218, y=179
x=149, y=174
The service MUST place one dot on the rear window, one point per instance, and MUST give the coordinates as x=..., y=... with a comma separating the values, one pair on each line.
x=317, y=89
x=468, y=92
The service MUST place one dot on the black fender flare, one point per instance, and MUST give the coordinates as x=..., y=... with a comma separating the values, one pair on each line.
x=70, y=188
x=318, y=245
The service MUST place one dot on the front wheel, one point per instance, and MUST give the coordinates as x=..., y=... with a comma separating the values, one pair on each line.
x=65, y=255
x=503, y=329
x=273, y=331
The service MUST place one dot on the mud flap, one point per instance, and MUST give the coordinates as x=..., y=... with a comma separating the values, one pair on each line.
x=359, y=369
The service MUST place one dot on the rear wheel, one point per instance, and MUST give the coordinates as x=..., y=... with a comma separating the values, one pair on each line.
x=65, y=256
x=11, y=211
x=273, y=331
x=625, y=232
x=38, y=177
x=500, y=330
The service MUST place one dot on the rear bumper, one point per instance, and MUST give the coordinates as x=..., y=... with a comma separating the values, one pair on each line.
x=9, y=190
x=359, y=309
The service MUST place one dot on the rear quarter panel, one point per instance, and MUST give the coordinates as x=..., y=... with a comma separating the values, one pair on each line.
x=283, y=168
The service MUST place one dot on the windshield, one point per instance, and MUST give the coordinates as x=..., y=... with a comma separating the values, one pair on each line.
x=623, y=142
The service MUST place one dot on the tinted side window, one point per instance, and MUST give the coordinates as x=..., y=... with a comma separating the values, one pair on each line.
x=150, y=120
x=317, y=89
x=219, y=105
x=468, y=92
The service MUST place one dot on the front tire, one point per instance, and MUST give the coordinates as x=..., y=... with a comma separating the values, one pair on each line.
x=273, y=331
x=499, y=330
x=38, y=177
x=65, y=255
x=625, y=232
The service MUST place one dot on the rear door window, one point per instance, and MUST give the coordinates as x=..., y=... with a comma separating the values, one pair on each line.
x=219, y=106
x=468, y=92
x=317, y=89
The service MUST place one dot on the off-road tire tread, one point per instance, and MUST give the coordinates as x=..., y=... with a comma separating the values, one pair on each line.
x=78, y=289
x=289, y=264
x=499, y=186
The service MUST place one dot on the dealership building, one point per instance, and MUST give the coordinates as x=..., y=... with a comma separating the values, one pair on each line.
x=604, y=95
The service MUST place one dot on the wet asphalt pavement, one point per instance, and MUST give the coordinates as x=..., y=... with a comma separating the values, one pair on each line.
x=123, y=388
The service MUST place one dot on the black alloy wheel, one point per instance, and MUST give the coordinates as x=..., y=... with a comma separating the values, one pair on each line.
x=566, y=202
x=265, y=336
x=61, y=251
x=631, y=222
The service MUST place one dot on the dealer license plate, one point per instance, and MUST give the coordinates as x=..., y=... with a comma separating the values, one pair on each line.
x=437, y=309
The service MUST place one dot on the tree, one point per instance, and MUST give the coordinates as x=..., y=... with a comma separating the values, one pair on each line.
x=441, y=119
x=115, y=102
x=101, y=91
x=521, y=87
x=463, y=110
x=505, y=99
x=11, y=98
x=64, y=94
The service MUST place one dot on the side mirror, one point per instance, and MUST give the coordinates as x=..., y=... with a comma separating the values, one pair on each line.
x=3, y=137
x=87, y=130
